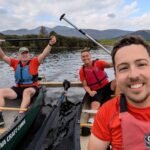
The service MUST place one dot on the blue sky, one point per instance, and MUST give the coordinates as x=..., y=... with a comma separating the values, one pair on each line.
x=108, y=14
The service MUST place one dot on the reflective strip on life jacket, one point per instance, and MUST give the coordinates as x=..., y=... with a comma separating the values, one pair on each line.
x=95, y=77
x=23, y=76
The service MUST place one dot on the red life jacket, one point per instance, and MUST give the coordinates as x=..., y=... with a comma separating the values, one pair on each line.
x=95, y=77
x=135, y=133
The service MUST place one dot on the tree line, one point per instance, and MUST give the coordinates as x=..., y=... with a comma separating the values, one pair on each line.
x=63, y=42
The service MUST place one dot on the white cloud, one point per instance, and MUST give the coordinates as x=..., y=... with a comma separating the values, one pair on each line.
x=130, y=8
x=98, y=14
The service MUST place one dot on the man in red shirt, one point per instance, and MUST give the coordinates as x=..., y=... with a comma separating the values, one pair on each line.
x=124, y=122
x=26, y=76
x=95, y=81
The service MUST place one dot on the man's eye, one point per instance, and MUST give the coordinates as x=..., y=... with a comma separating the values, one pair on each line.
x=122, y=68
x=142, y=64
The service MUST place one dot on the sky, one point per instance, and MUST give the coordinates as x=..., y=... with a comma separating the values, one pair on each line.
x=129, y=15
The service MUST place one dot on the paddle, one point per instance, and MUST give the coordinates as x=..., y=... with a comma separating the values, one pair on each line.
x=85, y=34
x=66, y=85
x=29, y=39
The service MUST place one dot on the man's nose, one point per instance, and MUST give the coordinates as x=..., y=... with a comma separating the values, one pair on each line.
x=133, y=72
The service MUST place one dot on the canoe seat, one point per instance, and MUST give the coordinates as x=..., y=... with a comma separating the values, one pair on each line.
x=86, y=125
x=89, y=111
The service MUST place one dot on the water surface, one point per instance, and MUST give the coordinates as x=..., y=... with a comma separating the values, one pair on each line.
x=56, y=67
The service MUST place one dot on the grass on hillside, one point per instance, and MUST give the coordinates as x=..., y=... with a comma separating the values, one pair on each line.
x=111, y=42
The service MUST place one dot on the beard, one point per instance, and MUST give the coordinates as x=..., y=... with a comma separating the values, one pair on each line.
x=137, y=100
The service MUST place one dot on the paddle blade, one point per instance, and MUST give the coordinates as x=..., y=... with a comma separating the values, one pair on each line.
x=62, y=16
x=66, y=85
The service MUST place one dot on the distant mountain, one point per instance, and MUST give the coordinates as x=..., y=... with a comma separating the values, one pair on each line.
x=144, y=33
x=71, y=32
x=21, y=31
x=96, y=34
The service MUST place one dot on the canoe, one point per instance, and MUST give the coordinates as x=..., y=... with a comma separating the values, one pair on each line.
x=85, y=102
x=17, y=126
x=61, y=127
x=86, y=111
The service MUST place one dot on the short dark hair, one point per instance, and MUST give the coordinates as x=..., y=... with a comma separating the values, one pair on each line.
x=126, y=41
x=86, y=49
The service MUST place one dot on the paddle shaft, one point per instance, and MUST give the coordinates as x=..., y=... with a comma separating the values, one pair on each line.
x=13, y=108
x=85, y=34
x=29, y=39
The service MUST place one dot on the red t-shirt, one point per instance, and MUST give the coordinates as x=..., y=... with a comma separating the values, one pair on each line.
x=100, y=64
x=33, y=68
x=107, y=125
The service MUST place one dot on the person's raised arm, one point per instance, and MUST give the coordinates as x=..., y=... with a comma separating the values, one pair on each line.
x=4, y=57
x=47, y=49
x=97, y=144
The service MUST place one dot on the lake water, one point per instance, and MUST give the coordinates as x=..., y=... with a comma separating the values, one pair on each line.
x=56, y=67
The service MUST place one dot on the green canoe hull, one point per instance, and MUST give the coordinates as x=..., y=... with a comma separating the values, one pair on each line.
x=10, y=139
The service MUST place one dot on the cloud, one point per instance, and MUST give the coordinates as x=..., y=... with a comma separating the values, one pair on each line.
x=130, y=8
x=3, y=11
x=111, y=15
x=106, y=14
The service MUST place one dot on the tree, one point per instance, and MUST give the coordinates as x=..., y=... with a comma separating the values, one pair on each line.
x=43, y=31
x=53, y=33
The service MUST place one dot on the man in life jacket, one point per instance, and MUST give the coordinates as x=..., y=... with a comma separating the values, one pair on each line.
x=124, y=121
x=95, y=81
x=26, y=76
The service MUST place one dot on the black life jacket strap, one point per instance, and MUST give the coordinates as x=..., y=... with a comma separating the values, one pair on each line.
x=35, y=78
x=123, y=104
x=98, y=81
